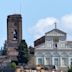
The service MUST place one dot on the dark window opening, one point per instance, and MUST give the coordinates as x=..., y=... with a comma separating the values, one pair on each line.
x=55, y=45
x=15, y=35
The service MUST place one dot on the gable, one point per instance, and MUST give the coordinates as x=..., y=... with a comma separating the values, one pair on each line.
x=55, y=32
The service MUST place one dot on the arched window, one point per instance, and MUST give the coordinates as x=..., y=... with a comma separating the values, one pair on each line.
x=15, y=35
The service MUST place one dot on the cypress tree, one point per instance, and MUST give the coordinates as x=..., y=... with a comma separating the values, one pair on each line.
x=23, y=55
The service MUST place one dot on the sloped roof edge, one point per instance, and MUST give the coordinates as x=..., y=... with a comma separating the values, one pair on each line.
x=56, y=30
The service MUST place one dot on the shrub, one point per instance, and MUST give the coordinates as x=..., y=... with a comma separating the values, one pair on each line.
x=13, y=65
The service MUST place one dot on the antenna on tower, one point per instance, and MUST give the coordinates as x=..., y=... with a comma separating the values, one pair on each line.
x=20, y=6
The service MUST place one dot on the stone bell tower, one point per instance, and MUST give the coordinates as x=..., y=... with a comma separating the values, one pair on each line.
x=14, y=34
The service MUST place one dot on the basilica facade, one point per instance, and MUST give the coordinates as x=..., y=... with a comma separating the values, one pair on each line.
x=53, y=49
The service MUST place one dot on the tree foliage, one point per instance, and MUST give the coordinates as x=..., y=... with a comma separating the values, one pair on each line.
x=23, y=55
x=13, y=65
x=70, y=69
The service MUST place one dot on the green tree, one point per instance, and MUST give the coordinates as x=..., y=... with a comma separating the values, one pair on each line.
x=23, y=55
x=70, y=69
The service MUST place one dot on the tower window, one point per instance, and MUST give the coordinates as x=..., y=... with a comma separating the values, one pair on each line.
x=15, y=35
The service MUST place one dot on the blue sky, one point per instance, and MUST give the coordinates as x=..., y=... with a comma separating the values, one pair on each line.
x=39, y=17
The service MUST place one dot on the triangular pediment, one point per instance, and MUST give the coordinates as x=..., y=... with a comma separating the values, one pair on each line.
x=55, y=32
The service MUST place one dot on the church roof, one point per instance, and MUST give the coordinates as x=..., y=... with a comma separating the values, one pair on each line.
x=57, y=30
x=39, y=41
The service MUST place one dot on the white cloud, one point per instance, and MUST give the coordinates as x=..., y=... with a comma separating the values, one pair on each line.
x=67, y=20
x=43, y=25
